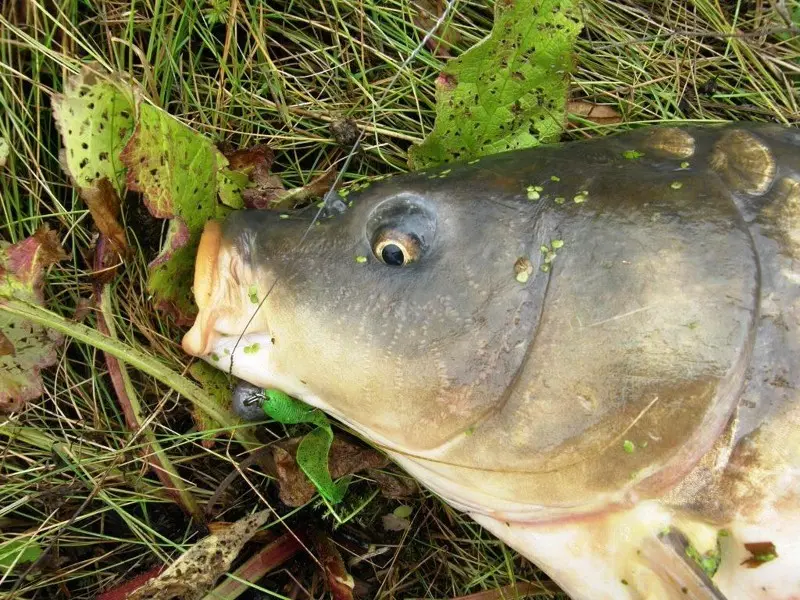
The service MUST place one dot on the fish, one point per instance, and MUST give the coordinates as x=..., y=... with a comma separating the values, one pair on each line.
x=590, y=348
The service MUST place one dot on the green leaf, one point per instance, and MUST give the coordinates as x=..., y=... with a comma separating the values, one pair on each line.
x=25, y=347
x=509, y=91
x=231, y=184
x=176, y=169
x=403, y=511
x=95, y=116
x=312, y=458
x=18, y=552
x=216, y=385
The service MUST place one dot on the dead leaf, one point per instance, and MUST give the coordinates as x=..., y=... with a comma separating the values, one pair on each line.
x=103, y=203
x=345, y=131
x=337, y=580
x=246, y=160
x=6, y=347
x=194, y=573
x=394, y=486
x=316, y=189
x=392, y=522
x=427, y=13
x=27, y=348
x=269, y=558
x=602, y=114
x=266, y=190
x=261, y=188
x=295, y=489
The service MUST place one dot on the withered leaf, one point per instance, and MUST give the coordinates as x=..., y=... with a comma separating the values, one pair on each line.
x=317, y=188
x=245, y=160
x=337, y=580
x=102, y=201
x=392, y=486
x=602, y=114
x=27, y=348
x=426, y=14
x=194, y=573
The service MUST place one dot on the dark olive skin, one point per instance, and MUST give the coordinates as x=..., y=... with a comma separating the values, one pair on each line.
x=568, y=334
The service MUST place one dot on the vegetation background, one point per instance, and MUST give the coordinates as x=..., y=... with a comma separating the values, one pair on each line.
x=300, y=76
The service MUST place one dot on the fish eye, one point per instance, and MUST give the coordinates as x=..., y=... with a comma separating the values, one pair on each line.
x=401, y=230
x=396, y=248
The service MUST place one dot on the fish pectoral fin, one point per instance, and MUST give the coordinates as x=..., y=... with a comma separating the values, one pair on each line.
x=671, y=556
x=632, y=554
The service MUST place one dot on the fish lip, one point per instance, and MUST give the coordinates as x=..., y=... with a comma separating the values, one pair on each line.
x=201, y=337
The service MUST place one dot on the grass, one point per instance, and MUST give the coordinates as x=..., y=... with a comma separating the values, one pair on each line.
x=74, y=478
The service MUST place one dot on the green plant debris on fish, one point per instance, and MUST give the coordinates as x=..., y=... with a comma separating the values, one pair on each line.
x=252, y=348
x=510, y=90
x=676, y=185
x=632, y=154
x=628, y=446
x=523, y=268
x=252, y=294
x=760, y=553
x=361, y=259
x=708, y=562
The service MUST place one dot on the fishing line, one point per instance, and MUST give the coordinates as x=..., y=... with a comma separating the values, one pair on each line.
x=332, y=190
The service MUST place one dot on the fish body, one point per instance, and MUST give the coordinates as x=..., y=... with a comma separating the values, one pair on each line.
x=591, y=348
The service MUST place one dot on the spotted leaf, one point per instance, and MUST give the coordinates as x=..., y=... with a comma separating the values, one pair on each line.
x=510, y=90
x=25, y=348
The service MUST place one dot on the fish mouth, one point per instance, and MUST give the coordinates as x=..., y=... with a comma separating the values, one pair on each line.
x=221, y=283
x=199, y=340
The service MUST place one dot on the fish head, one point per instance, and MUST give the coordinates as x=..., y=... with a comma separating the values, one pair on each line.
x=404, y=316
